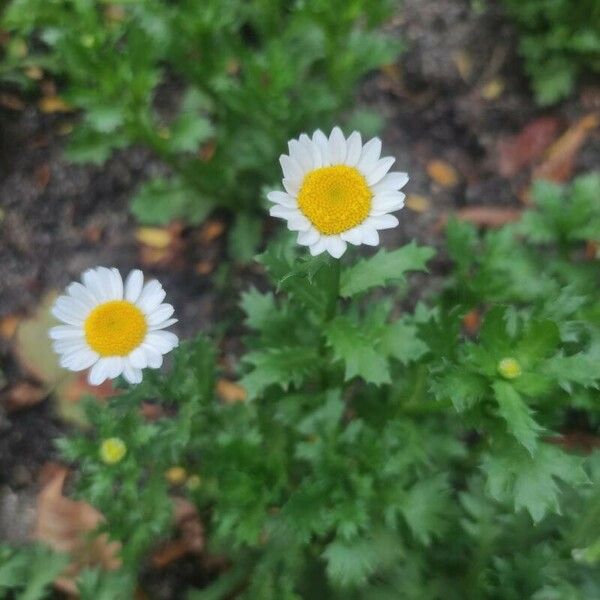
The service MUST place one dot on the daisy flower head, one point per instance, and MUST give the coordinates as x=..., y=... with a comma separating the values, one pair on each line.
x=338, y=191
x=112, y=326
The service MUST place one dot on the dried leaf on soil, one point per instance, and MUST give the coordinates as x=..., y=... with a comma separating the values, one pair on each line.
x=559, y=162
x=8, y=326
x=155, y=237
x=211, y=230
x=523, y=149
x=191, y=535
x=442, y=173
x=493, y=89
x=22, y=394
x=230, y=392
x=464, y=64
x=417, y=203
x=486, y=216
x=54, y=104
x=67, y=525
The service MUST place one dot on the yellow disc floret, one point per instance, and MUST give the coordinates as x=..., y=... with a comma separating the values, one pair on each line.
x=115, y=328
x=335, y=199
x=509, y=368
x=112, y=450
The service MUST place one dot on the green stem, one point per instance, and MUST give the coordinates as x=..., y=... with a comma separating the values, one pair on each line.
x=334, y=289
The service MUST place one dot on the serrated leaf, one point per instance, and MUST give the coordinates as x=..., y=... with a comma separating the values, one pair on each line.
x=350, y=564
x=258, y=307
x=282, y=366
x=462, y=388
x=353, y=347
x=401, y=341
x=188, y=131
x=530, y=482
x=383, y=268
x=517, y=415
x=160, y=200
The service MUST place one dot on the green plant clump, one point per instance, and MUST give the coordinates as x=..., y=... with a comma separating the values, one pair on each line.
x=559, y=40
x=382, y=452
x=248, y=75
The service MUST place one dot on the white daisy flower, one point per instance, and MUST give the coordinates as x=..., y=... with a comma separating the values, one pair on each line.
x=112, y=327
x=337, y=191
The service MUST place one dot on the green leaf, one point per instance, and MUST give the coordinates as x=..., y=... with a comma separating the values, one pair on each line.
x=384, y=268
x=350, y=564
x=353, y=347
x=258, y=307
x=539, y=340
x=281, y=366
x=159, y=201
x=462, y=388
x=425, y=507
x=245, y=237
x=517, y=415
x=401, y=341
x=188, y=131
x=528, y=481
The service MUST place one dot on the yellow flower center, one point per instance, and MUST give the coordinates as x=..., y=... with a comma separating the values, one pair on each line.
x=509, y=368
x=112, y=450
x=335, y=199
x=115, y=328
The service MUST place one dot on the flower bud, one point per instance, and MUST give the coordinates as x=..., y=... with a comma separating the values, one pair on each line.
x=112, y=450
x=509, y=368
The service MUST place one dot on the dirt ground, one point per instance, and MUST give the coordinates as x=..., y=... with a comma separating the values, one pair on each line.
x=458, y=89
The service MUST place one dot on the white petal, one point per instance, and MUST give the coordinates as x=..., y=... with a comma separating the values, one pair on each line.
x=353, y=236
x=117, y=284
x=131, y=374
x=283, y=212
x=66, y=346
x=381, y=168
x=65, y=332
x=353, y=149
x=133, y=285
x=391, y=182
x=370, y=237
x=283, y=199
x=152, y=295
x=106, y=276
x=93, y=282
x=313, y=150
x=299, y=223
x=335, y=246
x=301, y=155
x=70, y=306
x=308, y=237
x=163, y=341
x=291, y=187
x=137, y=358
x=318, y=247
x=291, y=169
x=322, y=143
x=98, y=372
x=79, y=360
x=114, y=366
x=66, y=317
x=153, y=356
x=82, y=294
x=387, y=202
x=383, y=221
x=163, y=325
x=160, y=314
x=369, y=156
x=337, y=147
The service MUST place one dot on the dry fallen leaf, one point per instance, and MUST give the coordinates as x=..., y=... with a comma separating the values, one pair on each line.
x=207, y=151
x=71, y=390
x=560, y=159
x=417, y=203
x=464, y=64
x=482, y=216
x=211, y=230
x=42, y=176
x=471, y=321
x=155, y=237
x=527, y=146
x=54, y=104
x=204, y=267
x=8, y=326
x=11, y=102
x=34, y=73
x=230, y=392
x=191, y=535
x=442, y=173
x=67, y=526
x=22, y=394
x=492, y=89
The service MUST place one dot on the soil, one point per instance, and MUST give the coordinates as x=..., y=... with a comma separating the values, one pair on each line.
x=59, y=218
